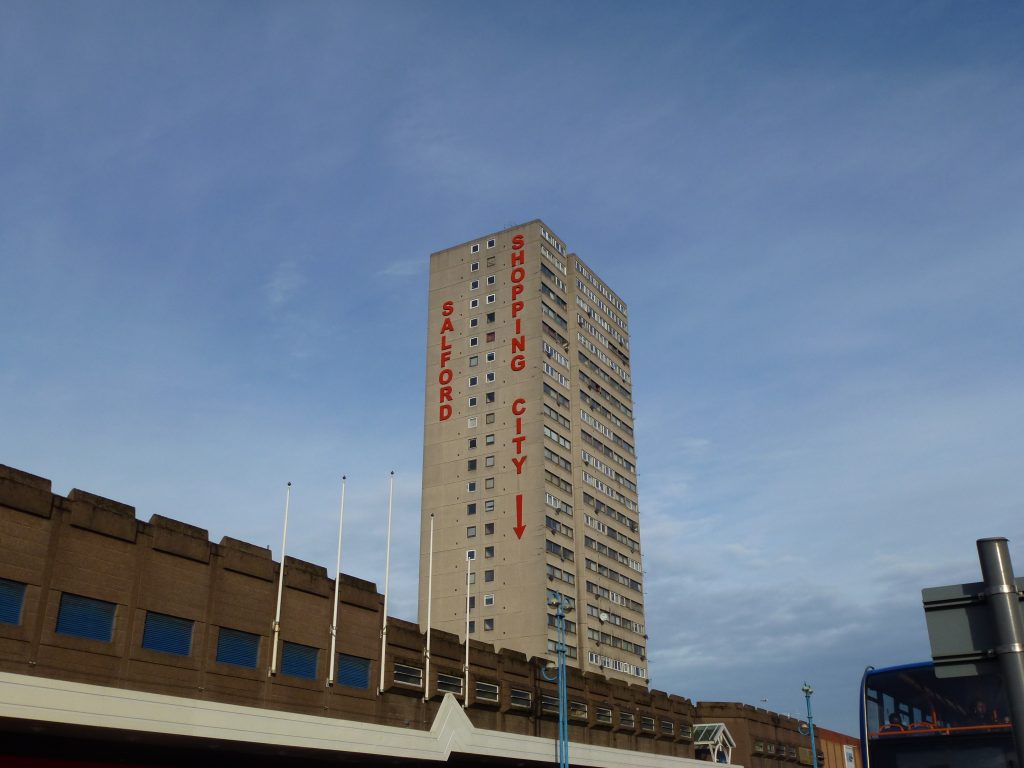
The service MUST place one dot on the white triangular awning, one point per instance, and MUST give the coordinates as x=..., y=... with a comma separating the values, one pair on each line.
x=715, y=738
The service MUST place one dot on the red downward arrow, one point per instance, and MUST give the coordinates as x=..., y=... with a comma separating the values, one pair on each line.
x=519, y=517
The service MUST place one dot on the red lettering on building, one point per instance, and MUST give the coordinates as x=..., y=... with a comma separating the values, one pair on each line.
x=518, y=363
x=444, y=378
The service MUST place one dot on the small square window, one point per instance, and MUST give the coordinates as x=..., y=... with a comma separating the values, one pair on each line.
x=490, y=279
x=474, y=303
x=489, y=575
x=353, y=671
x=472, y=402
x=472, y=381
x=86, y=617
x=12, y=598
x=490, y=376
x=490, y=243
x=489, y=599
x=471, y=532
x=490, y=298
x=472, y=602
x=169, y=634
x=490, y=357
x=472, y=442
x=474, y=361
x=471, y=422
x=474, y=285
x=488, y=529
x=489, y=505
x=489, y=397
x=489, y=483
x=471, y=554
x=472, y=578
x=490, y=317
x=471, y=465
x=489, y=440
x=472, y=626
x=488, y=624
x=474, y=322
x=471, y=509
x=488, y=419
x=237, y=647
x=488, y=552
x=475, y=248
x=299, y=660
x=471, y=486
x=488, y=461
x=473, y=341
x=490, y=336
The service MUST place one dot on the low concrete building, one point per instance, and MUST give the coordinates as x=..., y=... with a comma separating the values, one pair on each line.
x=763, y=739
x=149, y=641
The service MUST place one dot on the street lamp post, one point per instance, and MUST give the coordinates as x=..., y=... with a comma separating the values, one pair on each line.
x=810, y=722
x=561, y=604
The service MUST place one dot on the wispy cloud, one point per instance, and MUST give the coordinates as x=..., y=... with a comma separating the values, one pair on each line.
x=284, y=284
x=405, y=268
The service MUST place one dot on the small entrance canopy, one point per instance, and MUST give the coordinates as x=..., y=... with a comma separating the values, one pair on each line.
x=715, y=740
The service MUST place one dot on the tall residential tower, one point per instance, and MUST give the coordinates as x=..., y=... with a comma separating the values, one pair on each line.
x=529, y=461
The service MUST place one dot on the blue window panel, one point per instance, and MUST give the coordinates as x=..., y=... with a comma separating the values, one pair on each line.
x=299, y=660
x=86, y=617
x=353, y=671
x=239, y=648
x=168, y=634
x=12, y=597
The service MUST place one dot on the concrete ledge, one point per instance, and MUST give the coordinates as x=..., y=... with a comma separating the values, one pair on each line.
x=24, y=492
x=58, y=701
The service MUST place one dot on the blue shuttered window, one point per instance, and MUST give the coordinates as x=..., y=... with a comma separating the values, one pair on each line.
x=86, y=617
x=239, y=648
x=168, y=634
x=299, y=660
x=353, y=671
x=12, y=597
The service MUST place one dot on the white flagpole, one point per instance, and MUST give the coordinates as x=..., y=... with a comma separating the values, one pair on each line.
x=430, y=586
x=337, y=582
x=280, y=585
x=465, y=668
x=387, y=573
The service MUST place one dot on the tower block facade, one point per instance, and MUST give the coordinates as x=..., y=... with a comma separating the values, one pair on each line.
x=529, y=458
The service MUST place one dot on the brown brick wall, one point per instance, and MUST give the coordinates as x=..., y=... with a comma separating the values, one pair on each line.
x=87, y=545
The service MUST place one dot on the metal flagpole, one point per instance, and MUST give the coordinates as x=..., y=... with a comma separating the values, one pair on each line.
x=563, y=704
x=387, y=573
x=337, y=583
x=465, y=666
x=430, y=587
x=280, y=585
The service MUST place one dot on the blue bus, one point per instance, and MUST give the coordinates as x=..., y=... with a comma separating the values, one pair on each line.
x=909, y=718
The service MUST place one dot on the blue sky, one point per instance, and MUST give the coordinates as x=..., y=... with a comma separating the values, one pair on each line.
x=214, y=227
